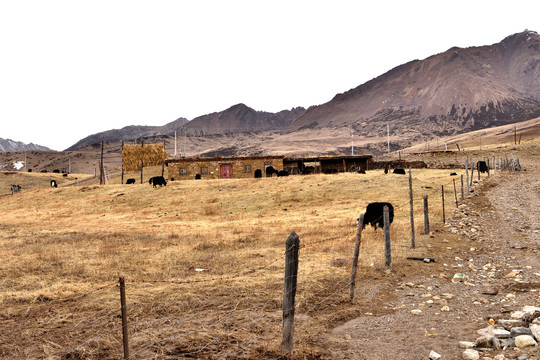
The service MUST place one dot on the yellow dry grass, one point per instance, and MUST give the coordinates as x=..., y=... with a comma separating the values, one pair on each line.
x=203, y=261
x=148, y=154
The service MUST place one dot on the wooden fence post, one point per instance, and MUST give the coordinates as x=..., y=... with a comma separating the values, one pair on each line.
x=142, y=161
x=455, y=192
x=387, y=244
x=289, y=292
x=412, y=208
x=467, y=175
x=478, y=171
x=426, y=216
x=124, y=317
x=355, y=256
x=462, y=192
x=472, y=172
x=122, y=180
x=443, y=214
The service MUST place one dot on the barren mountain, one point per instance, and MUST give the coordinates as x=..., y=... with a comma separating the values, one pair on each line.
x=241, y=118
x=128, y=133
x=458, y=90
x=8, y=145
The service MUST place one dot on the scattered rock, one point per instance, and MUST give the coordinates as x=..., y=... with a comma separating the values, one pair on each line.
x=499, y=357
x=501, y=333
x=524, y=341
x=470, y=354
x=434, y=355
x=535, y=329
x=466, y=344
x=516, y=331
x=488, y=341
x=509, y=324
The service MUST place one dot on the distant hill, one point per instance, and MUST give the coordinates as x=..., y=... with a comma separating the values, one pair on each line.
x=241, y=118
x=8, y=145
x=236, y=119
x=128, y=133
x=455, y=91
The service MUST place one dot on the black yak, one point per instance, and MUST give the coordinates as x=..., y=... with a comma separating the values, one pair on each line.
x=399, y=171
x=130, y=181
x=258, y=173
x=282, y=173
x=270, y=171
x=482, y=166
x=157, y=180
x=374, y=214
x=197, y=176
x=54, y=184
x=453, y=174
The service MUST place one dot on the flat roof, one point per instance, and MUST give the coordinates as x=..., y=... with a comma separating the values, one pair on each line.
x=223, y=158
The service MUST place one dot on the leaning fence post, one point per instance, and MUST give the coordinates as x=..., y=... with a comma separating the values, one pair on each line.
x=467, y=175
x=455, y=192
x=443, y=214
x=462, y=193
x=426, y=215
x=412, y=209
x=124, y=317
x=472, y=172
x=355, y=256
x=387, y=244
x=289, y=291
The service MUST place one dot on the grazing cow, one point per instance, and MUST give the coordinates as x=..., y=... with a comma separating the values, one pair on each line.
x=482, y=166
x=282, y=173
x=197, y=176
x=270, y=171
x=56, y=171
x=374, y=214
x=15, y=189
x=43, y=171
x=399, y=171
x=29, y=170
x=64, y=175
x=157, y=180
x=258, y=174
x=453, y=174
x=130, y=181
x=54, y=184
x=386, y=170
x=361, y=171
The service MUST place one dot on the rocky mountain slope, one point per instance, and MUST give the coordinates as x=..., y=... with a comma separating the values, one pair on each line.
x=8, y=145
x=457, y=90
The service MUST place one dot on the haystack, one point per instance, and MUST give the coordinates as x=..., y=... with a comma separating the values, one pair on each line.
x=149, y=154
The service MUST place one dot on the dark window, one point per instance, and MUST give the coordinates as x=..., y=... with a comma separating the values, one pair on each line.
x=204, y=171
x=183, y=172
x=248, y=169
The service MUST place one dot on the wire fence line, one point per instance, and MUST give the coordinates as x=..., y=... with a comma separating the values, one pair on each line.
x=215, y=323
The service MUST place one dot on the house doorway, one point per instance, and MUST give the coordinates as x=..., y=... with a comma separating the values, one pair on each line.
x=226, y=171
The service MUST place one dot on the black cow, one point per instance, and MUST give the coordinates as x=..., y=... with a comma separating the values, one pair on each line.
x=374, y=214
x=453, y=174
x=15, y=189
x=54, y=184
x=130, y=181
x=157, y=180
x=197, y=176
x=270, y=171
x=29, y=170
x=43, y=171
x=482, y=166
x=386, y=170
x=56, y=171
x=361, y=171
x=282, y=173
x=65, y=175
x=258, y=174
x=399, y=171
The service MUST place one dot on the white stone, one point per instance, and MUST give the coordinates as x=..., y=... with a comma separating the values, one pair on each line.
x=434, y=355
x=466, y=344
x=535, y=329
x=499, y=357
x=501, y=333
x=470, y=354
x=525, y=341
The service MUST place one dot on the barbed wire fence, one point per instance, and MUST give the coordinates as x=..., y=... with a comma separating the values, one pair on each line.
x=236, y=327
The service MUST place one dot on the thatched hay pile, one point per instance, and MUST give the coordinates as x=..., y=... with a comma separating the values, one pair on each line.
x=150, y=154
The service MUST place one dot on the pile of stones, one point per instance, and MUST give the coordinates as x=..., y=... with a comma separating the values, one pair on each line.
x=521, y=331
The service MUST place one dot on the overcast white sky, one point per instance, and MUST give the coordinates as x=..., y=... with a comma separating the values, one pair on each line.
x=69, y=69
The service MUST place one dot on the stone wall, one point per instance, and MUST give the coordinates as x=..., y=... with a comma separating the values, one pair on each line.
x=211, y=168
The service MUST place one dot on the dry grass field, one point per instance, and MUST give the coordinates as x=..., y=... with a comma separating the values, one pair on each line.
x=203, y=261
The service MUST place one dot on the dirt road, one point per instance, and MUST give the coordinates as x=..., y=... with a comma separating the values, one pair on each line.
x=493, y=232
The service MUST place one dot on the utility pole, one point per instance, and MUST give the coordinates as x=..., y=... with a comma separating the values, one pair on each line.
x=25, y=167
x=101, y=167
x=352, y=143
x=175, y=144
x=388, y=135
x=184, y=142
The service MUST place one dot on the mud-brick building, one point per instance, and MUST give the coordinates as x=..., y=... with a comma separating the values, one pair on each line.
x=221, y=167
x=321, y=164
